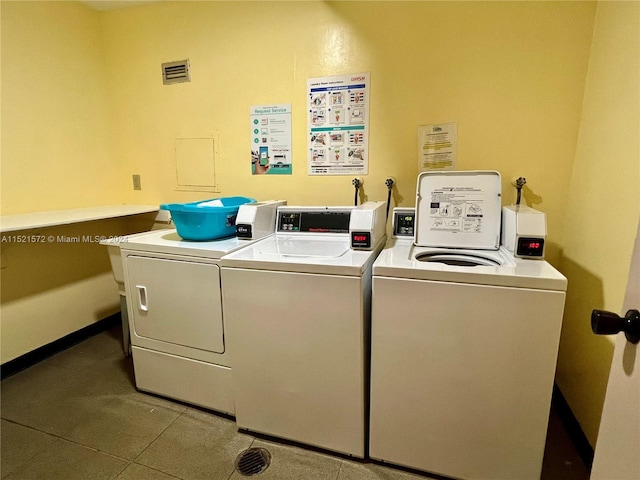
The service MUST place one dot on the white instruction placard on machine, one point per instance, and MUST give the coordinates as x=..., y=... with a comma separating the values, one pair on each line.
x=459, y=210
x=338, y=124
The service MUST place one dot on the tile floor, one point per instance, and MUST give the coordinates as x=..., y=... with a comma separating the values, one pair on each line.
x=77, y=415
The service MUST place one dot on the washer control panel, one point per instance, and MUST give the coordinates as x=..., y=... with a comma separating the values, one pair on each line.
x=404, y=220
x=313, y=220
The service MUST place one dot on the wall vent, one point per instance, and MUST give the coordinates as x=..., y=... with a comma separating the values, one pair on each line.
x=176, y=72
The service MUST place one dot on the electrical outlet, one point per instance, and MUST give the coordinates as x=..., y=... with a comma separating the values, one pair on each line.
x=136, y=182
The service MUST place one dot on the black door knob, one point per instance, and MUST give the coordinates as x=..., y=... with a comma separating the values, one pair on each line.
x=608, y=323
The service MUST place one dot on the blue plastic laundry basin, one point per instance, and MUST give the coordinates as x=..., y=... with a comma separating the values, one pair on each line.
x=206, y=219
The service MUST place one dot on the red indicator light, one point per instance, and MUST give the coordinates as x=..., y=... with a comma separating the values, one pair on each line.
x=360, y=238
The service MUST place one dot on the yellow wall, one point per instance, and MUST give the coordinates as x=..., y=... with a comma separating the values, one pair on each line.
x=56, y=144
x=54, y=288
x=510, y=74
x=603, y=207
x=56, y=154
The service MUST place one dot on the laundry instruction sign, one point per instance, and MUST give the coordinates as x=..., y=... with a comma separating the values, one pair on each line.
x=437, y=146
x=271, y=139
x=338, y=124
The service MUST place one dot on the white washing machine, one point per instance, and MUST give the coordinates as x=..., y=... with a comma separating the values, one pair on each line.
x=175, y=310
x=464, y=341
x=297, y=311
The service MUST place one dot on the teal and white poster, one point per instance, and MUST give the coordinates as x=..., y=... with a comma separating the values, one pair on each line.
x=271, y=140
x=338, y=124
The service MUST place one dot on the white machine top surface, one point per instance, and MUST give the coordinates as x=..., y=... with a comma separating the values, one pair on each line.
x=307, y=247
x=168, y=241
x=307, y=253
x=459, y=209
x=399, y=260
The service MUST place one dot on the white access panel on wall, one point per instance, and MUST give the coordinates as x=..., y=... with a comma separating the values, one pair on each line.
x=459, y=209
x=155, y=284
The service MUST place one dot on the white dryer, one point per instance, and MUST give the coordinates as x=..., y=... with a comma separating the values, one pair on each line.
x=175, y=310
x=297, y=312
x=464, y=341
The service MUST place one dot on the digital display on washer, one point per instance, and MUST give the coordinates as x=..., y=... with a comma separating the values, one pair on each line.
x=320, y=222
x=361, y=240
x=403, y=224
x=530, y=247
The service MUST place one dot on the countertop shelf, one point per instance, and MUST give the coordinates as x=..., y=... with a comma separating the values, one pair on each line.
x=27, y=221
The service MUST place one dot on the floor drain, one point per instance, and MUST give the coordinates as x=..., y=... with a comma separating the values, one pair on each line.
x=253, y=461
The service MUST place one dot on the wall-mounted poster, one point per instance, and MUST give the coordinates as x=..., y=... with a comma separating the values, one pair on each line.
x=338, y=124
x=271, y=140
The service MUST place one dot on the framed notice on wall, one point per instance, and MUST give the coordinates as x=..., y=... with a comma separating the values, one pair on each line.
x=338, y=124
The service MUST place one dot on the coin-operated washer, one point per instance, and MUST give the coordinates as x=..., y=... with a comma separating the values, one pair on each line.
x=176, y=319
x=297, y=310
x=464, y=339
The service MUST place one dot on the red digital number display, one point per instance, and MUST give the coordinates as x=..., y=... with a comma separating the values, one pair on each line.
x=530, y=247
x=360, y=238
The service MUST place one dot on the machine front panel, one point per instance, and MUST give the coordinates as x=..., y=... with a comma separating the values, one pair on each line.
x=176, y=302
x=298, y=350
x=475, y=364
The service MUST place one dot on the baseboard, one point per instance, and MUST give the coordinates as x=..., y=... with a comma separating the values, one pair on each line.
x=571, y=424
x=31, y=358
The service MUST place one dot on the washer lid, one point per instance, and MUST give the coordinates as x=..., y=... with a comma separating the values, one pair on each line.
x=327, y=253
x=307, y=247
x=459, y=210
